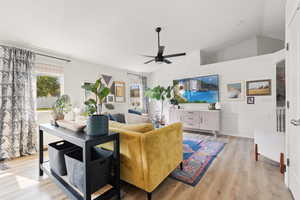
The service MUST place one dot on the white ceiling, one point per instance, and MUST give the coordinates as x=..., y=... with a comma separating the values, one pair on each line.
x=115, y=32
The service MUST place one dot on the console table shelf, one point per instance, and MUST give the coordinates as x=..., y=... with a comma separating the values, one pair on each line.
x=86, y=143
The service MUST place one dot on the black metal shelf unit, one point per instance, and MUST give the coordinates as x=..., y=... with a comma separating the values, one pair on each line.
x=86, y=143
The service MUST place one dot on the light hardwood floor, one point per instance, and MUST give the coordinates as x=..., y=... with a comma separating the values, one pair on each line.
x=234, y=175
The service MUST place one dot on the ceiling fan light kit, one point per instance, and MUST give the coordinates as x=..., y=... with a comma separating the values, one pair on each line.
x=160, y=58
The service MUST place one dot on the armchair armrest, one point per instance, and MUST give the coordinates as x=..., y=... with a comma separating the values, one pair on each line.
x=130, y=158
x=162, y=152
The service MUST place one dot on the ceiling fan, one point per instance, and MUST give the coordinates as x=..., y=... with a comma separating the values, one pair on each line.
x=160, y=58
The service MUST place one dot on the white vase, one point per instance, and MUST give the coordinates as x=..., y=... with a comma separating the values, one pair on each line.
x=218, y=106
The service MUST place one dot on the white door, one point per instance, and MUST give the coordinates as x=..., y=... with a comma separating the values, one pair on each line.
x=293, y=110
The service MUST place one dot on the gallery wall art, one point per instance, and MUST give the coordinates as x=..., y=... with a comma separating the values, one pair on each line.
x=120, y=91
x=259, y=88
x=235, y=91
x=250, y=100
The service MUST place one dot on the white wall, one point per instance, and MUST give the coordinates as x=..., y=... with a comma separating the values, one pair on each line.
x=244, y=49
x=258, y=45
x=238, y=118
x=267, y=45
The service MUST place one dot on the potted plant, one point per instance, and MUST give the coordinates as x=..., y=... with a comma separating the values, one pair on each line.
x=61, y=107
x=161, y=94
x=97, y=123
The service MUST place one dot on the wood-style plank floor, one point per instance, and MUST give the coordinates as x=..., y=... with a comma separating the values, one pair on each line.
x=234, y=175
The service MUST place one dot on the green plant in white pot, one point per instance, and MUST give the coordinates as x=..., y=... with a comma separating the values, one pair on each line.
x=97, y=124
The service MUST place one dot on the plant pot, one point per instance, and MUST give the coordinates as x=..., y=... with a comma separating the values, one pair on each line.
x=97, y=125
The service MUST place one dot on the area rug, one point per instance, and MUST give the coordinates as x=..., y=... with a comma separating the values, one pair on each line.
x=198, y=155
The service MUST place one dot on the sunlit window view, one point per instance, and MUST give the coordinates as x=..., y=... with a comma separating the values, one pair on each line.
x=48, y=90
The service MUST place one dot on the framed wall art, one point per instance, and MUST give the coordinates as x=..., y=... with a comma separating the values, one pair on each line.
x=259, y=88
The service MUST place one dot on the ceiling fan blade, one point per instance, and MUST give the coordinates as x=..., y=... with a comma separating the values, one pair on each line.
x=147, y=56
x=167, y=61
x=149, y=61
x=161, y=50
x=175, y=55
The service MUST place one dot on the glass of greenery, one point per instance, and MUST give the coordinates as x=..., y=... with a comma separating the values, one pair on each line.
x=61, y=107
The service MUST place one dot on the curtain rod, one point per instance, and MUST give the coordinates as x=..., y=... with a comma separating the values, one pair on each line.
x=41, y=54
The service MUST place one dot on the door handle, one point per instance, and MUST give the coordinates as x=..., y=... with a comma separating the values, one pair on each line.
x=295, y=122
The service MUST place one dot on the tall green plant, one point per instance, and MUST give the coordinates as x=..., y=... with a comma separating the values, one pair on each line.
x=100, y=92
x=161, y=94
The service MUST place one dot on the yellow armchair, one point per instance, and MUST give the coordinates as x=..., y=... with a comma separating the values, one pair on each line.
x=148, y=155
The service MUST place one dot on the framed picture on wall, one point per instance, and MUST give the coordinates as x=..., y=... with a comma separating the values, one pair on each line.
x=259, y=88
x=120, y=91
x=250, y=100
x=110, y=98
x=235, y=91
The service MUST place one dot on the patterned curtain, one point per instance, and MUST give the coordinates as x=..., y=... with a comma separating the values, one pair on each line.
x=17, y=103
x=146, y=106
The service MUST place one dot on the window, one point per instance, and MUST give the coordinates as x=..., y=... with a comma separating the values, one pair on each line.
x=49, y=85
x=48, y=89
x=135, y=96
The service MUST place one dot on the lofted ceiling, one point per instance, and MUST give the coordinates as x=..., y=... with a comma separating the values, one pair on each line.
x=116, y=33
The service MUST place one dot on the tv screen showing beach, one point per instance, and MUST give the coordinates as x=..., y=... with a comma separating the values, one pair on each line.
x=204, y=89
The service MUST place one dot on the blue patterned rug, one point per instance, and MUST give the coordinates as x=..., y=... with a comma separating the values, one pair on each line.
x=198, y=154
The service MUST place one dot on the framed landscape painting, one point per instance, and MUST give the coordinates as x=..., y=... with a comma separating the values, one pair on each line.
x=259, y=87
x=235, y=91
x=119, y=91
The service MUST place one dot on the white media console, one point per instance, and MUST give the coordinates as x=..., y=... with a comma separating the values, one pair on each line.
x=200, y=120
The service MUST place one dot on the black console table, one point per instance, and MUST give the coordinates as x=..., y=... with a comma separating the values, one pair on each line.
x=86, y=143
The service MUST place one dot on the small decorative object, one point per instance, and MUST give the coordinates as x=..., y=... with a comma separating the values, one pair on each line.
x=109, y=106
x=250, y=100
x=97, y=124
x=61, y=107
x=119, y=91
x=110, y=98
x=212, y=106
x=259, y=88
x=218, y=106
x=76, y=112
x=235, y=91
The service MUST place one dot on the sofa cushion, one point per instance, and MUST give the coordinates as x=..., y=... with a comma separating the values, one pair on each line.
x=119, y=117
x=134, y=112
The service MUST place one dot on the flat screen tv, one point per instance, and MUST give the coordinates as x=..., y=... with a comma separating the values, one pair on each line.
x=203, y=89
